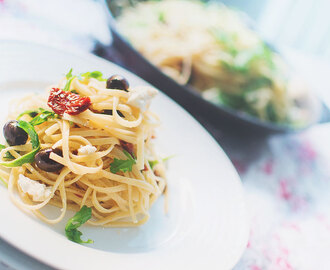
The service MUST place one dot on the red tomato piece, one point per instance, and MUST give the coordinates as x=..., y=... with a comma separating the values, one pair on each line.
x=66, y=102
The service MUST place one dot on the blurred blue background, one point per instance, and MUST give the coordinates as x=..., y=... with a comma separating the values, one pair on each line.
x=303, y=25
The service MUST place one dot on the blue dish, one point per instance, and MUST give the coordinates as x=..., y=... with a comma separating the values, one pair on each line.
x=190, y=98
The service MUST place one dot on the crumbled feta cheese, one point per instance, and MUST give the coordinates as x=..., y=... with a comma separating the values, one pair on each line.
x=87, y=150
x=39, y=192
x=140, y=97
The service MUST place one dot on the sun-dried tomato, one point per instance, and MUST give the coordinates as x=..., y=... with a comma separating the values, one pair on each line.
x=66, y=102
x=129, y=147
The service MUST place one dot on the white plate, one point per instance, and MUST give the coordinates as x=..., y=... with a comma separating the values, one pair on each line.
x=206, y=226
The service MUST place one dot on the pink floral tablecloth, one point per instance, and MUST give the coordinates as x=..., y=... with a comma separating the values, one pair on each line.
x=287, y=184
x=286, y=177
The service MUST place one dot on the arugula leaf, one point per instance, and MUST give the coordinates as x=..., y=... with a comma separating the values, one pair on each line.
x=7, y=155
x=123, y=165
x=43, y=117
x=68, y=83
x=94, y=74
x=69, y=74
x=29, y=157
x=69, y=78
x=225, y=39
x=153, y=163
x=71, y=231
x=31, y=113
x=161, y=17
x=245, y=59
x=38, y=119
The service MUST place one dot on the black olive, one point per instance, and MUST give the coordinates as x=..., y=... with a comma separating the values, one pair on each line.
x=33, y=114
x=14, y=135
x=117, y=82
x=109, y=112
x=44, y=163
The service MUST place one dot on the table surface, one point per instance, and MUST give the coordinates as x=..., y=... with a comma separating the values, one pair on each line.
x=286, y=177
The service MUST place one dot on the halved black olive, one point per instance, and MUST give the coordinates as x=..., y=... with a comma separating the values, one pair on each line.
x=44, y=163
x=109, y=112
x=13, y=134
x=117, y=82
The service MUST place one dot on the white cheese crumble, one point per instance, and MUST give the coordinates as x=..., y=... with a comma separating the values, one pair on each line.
x=87, y=150
x=141, y=96
x=39, y=192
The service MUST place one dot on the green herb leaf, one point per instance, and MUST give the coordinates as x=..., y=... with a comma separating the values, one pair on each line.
x=69, y=74
x=94, y=74
x=227, y=40
x=7, y=155
x=153, y=163
x=71, y=228
x=68, y=83
x=39, y=116
x=29, y=157
x=69, y=78
x=161, y=17
x=246, y=59
x=31, y=113
x=122, y=165
x=29, y=129
x=43, y=117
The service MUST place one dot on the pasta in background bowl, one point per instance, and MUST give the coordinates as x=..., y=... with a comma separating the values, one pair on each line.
x=210, y=48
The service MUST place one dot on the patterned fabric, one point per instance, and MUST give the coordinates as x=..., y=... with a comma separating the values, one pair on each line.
x=288, y=193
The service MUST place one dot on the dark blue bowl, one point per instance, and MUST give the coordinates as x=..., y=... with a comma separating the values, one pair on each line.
x=187, y=96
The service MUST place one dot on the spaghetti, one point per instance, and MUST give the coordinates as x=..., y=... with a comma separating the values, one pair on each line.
x=94, y=148
x=210, y=47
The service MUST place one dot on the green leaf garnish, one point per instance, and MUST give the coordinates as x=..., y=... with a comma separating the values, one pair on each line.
x=123, y=165
x=227, y=40
x=7, y=155
x=69, y=74
x=29, y=157
x=42, y=117
x=69, y=78
x=71, y=228
x=39, y=116
x=31, y=113
x=94, y=74
x=161, y=17
x=68, y=83
x=153, y=163
x=246, y=59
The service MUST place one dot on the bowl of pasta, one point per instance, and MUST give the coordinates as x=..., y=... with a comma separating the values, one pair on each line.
x=209, y=58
